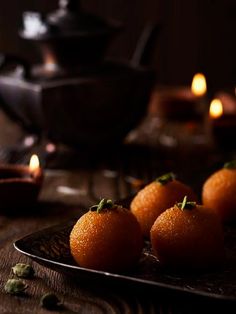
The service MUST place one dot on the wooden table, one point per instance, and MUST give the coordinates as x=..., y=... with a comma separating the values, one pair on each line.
x=63, y=194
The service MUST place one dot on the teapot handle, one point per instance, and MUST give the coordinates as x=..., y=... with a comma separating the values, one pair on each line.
x=145, y=45
x=22, y=67
x=70, y=5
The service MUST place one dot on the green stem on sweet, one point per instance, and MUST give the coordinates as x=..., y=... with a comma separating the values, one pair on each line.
x=103, y=204
x=185, y=204
x=165, y=178
x=230, y=164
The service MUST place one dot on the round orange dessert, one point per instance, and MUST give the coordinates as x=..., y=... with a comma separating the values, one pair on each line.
x=188, y=236
x=156, y=197
x=219, y=192
x=108, y=237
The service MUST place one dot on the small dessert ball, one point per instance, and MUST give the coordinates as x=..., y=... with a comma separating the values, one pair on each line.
x=188, y=236
x=107, y=237
x=219, y=192
x=156, y=197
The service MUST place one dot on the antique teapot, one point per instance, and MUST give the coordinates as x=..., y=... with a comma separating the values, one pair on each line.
x=76, y=96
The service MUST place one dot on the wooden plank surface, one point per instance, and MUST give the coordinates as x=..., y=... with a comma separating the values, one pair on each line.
x=76, y=297
x=64, y=194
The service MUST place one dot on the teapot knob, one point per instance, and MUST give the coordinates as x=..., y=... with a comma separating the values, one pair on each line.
x=70, y=5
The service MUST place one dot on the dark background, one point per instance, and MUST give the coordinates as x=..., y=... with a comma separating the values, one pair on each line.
x=196, y=35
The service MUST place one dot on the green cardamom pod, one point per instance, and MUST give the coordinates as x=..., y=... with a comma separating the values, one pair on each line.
x=23, y=270
x=15, y=286
x=49, y=301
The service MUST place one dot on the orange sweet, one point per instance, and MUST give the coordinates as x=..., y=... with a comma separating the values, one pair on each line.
x=219, y=192
x=107, y=238
x=189, y=237
x=156, y=197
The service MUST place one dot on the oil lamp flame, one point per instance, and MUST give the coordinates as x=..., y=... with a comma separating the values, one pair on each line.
x=216, y=109
x=34, y=163
x=199, y=86
x=50, y=63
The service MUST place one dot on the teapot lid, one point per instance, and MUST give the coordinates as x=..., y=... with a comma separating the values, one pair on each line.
x=67, y=20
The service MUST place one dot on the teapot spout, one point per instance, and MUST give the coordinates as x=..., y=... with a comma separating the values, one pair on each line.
x=145, y=45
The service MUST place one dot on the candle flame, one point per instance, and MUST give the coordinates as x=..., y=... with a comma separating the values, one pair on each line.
x=34, y=163
x=50, y=63
x=216, y=109
x=199, y=86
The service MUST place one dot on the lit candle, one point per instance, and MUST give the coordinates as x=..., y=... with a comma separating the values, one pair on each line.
x=34, y=167
x=216, y=109
x=50, y=64
x=199, y=86
x=180, y=103
x=199, y=90
x=50, y=67
x=223, y=125
x=20, y=184
x=34, y=163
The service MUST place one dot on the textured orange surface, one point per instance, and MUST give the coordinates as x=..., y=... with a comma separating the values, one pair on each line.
x=151, y=201
x=110, y=240
x=189, y=238
x=219, y=193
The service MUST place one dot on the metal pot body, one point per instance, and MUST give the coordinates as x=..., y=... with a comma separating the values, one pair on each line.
x=86, y=110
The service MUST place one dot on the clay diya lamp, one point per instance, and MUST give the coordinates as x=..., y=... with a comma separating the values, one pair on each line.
x=180, y=103
x=222, y=125
x=19, y=184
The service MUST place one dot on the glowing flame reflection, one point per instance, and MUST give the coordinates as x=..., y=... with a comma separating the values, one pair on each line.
x=216, y=109
x=34, y=163
x=199, y=86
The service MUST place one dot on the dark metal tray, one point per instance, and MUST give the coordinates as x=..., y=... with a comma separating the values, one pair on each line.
x=50, y=247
